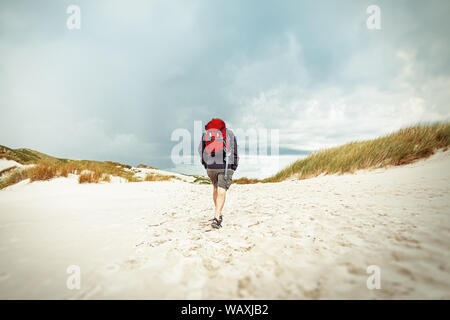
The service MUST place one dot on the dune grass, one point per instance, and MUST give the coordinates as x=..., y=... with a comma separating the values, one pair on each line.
x=95, y=176
x=245, y=180
x=26, y=156
x=88, y=171
x=14, y=177
x=4, y=171
x=402, y=147
x=42, y=171
x=47, y=167
x=144, y=166
x=201, y=180
x=158, y=177
x=101, y=169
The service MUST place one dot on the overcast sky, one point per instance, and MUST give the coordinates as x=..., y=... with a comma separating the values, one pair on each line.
x=136, y=70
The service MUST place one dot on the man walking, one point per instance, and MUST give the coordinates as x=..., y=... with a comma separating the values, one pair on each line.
x=219, y=153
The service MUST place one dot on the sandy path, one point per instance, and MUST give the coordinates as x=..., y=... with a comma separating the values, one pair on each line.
x=297, y=239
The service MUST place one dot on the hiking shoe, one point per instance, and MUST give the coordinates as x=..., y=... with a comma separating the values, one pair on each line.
x=217, y=223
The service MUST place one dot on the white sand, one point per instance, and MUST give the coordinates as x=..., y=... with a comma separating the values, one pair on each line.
x=6, y=164
x=297, y=239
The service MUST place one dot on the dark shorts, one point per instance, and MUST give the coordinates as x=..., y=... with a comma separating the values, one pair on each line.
x=217, y=177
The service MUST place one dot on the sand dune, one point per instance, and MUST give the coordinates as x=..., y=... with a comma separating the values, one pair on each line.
x=308, y=239
x=7, y=164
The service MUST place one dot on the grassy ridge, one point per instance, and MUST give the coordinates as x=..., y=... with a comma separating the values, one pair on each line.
x=26, y=156
x=401, y=147
x=47, y=167
x=88, y=172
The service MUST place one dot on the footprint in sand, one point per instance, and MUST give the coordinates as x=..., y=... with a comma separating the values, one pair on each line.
x=132, y=263
x=110, y=269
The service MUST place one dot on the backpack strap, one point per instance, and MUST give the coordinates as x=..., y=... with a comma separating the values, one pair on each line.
x=227, y=152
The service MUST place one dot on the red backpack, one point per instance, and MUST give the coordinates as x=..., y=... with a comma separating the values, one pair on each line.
x=215, y=137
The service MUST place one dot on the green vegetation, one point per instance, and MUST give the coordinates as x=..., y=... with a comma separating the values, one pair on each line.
x=245, y=180
x=95, y=176
x=144, y=166
x=158, y=177
x=47, y=167
x=26, y=156
x=13, y=178
x=398, y=148
x=201, y=180
x=402, y=147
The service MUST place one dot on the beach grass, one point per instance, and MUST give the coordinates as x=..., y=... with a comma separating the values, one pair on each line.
x=401, y=147
x=201, y=179
x=158, y=177
x=88, y=171
x=245, y=180
x=14, y=177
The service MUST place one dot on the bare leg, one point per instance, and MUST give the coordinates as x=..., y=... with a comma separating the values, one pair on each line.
x=215, y=195
x=220, y=201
